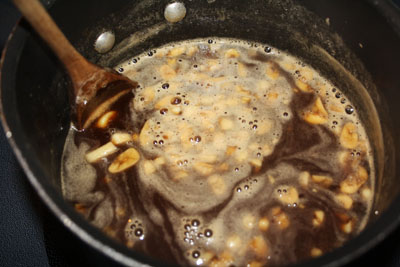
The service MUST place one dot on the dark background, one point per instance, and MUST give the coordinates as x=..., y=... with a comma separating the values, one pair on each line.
x=31, y=236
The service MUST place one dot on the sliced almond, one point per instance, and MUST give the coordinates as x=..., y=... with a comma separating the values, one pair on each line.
x=272, y=72
x=256, y=163
x=121, y=138
x=124, y=161
x=231, y=53
x=179, y=175
x=101, y=152
x=307, y=74
x=171, y=62
x=249, y=221
x=254, y=264
x=106, y=119
x=263, y=224
x=322, y=180
x=318, y=219
x=176, y=51
x=366, y=193
x=135, y=137
x=303, y=86
x=230, y=150
x=288, y=195
x=207, y=157
x=304, y=178
x=316, y=252
x=354, y=181
x=259, y=246
x=242, y=72
x=167, y=73
x=223, y=260
x=348, y=227
x=223, y=167
x=203, y=168
x=272, y=96
x=245, y=99
x=349, y=136
x=318, y=114
x=192, y=50
x=271, y=179
x=217, y=184
x=345, y=201
x=233, y=242
x=280, y=218
x=144, y=137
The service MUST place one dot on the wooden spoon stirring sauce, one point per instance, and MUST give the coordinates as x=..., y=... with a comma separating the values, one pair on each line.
x=95, y=89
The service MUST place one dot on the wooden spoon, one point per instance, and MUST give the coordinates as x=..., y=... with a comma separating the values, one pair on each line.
x=95, y=89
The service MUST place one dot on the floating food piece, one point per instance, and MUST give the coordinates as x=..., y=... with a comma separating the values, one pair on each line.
x=225, y=259
x=318, y=114
x=288, y=195
x=303, y=86
x=233, y=242
x=106, y=119
x=366, y=193
x=259, y=246
x=231, y=53
x=345, y=201
x=230, y=150
x=203, y=168
x=176, y=51
x=318, y=219
x=101, y=152
x=348, y=227
x=242, y=71
x=349, y=136
x=354, y=181
x=272, y=71
x=124, y=161
x=254, y=264
x=263, y=224
x=167, y=73
x=121, y=138
x=280, y=218
x=304, y=178
x=322, y=180
x=316, y=252
x=249, y=221
x=144, y=137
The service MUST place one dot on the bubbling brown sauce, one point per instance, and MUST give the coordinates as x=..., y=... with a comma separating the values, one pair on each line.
x=227, y=154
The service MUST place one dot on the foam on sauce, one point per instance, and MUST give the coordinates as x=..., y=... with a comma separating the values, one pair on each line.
x=244, y=155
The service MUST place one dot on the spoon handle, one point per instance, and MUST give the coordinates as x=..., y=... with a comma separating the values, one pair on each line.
x=77, y=66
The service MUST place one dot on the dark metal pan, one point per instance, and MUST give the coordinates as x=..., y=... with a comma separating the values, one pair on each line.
x=362, y=36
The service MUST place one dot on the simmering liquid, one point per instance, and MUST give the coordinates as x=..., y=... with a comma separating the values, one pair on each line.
x=229, y=153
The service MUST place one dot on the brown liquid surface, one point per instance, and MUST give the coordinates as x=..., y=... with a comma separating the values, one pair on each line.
x=247, y=156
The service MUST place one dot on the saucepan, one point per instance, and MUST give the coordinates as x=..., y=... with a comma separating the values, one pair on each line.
x=354, y=43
